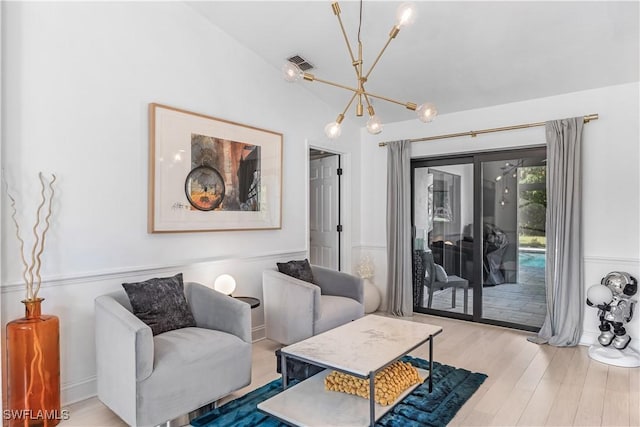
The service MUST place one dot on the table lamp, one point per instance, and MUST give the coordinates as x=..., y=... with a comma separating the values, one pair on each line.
x=225, y=284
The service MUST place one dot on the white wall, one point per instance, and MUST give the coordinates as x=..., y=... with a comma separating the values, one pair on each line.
x=611, y=195
x=77, y=80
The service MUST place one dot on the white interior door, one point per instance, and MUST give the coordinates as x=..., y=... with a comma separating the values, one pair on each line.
x=324, y=218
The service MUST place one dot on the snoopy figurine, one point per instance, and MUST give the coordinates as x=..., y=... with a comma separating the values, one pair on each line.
x=615, y=306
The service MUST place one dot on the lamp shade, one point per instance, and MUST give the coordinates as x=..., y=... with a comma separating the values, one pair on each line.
x=225, y=284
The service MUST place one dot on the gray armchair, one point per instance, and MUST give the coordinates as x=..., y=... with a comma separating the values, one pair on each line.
x=295, y=310
x=148, y=380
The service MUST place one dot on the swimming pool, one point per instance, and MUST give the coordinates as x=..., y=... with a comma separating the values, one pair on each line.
x=532, y=259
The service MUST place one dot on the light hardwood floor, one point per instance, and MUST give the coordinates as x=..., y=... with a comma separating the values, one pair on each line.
x=528, y=384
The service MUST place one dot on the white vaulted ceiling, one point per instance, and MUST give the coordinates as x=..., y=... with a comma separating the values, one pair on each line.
x=458, y=55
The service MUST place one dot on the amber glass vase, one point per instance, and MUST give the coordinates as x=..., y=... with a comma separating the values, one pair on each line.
x=33, y=369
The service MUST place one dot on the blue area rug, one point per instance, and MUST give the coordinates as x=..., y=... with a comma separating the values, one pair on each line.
x=451, y=389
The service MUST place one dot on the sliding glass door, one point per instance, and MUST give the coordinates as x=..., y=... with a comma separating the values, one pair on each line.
x=513, y=226
x=479, y=237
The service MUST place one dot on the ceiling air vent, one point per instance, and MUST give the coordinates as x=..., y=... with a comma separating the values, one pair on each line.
x=300, y=62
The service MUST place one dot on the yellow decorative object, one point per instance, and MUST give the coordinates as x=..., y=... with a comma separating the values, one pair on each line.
x=389, y=383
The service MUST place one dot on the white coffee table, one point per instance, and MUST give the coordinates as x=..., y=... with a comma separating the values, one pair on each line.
x=360, y=348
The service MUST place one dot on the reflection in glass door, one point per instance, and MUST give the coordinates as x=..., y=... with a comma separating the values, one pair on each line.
x=443, y=247
x=479, y=237
x=513, y=228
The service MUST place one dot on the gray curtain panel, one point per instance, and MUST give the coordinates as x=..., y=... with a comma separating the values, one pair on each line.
x=399, y=284
x=565, y=296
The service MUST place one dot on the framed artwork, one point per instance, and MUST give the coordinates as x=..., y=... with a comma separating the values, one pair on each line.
x=209, y=174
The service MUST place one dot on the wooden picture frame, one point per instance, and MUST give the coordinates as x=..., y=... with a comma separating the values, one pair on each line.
x=209, y=174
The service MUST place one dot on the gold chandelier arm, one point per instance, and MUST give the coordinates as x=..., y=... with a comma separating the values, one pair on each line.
x=349, y=104
x=368, y=102
x=392, y=35
x=313, y=78
x=327, y=82
x=408, y=105
x=336, y=11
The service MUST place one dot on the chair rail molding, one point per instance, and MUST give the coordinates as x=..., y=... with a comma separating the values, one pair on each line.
x=370, y=247
x=632, y=262
x=127, y=272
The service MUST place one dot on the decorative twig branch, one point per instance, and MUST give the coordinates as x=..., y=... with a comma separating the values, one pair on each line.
x=36, y=236
x=15, y=221
x=44, y=230
x=39, y=236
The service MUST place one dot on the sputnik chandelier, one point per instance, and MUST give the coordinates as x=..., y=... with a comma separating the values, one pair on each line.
x=426, y=112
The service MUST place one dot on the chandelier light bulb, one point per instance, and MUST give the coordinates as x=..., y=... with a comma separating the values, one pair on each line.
x=333, y=130
x=426, y=112
x=374, y=125
x=291, y=72
x=506, y=190
x=405, y=15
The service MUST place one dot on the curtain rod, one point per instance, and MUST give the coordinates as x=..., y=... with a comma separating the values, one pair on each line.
x=474, y=133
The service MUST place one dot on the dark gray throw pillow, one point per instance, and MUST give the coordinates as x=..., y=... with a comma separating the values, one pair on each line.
x=160, y=303
x=298, y=269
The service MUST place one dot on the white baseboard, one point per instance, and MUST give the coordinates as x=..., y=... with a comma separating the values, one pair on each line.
x=77, y=391
x=588, y=338
x=258, y=333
